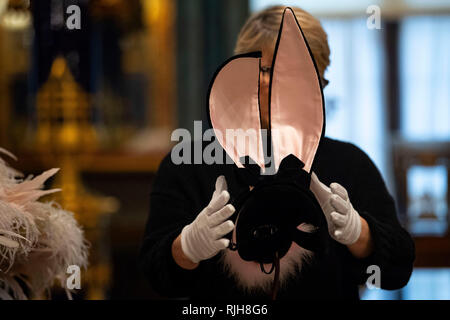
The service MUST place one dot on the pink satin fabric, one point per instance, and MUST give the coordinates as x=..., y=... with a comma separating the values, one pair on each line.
x=296, y=101
x=233, y=104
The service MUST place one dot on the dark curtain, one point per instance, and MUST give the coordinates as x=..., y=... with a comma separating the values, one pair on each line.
x=206, y=34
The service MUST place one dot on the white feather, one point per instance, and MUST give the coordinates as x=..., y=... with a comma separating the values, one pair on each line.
x=38, y=241
x=4, y=241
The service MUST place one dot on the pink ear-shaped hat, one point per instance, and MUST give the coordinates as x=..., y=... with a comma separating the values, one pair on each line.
x=296, y=103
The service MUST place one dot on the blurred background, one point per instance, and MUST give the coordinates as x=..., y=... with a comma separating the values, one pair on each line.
x=100, y=98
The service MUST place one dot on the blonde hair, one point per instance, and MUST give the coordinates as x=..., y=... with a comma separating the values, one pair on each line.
x=261, y=32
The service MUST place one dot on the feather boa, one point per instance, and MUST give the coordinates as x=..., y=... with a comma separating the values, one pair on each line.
x=38, y=240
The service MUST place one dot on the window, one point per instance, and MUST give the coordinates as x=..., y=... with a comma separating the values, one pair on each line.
x=427, y=200
x=354, y=98
x=425, y=78
x=425, y=284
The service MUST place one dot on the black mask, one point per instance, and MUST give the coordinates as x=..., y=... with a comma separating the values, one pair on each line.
x=267, y=216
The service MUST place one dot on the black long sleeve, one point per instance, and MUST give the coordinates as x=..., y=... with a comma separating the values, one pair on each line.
x=181, y=191
x=170, y=210
x=394, y=250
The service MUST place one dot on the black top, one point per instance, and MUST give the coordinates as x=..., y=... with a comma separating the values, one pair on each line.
x=180, y=192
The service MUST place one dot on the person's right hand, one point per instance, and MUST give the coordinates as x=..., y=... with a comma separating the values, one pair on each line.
x=203, y=238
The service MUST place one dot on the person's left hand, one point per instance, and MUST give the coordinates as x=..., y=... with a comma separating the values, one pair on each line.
x=344, y=223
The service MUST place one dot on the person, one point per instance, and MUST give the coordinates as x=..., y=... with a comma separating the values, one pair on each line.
x=190, y=208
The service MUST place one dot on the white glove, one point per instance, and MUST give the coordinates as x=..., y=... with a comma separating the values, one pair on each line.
x=344, y=224
x=203, y=238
